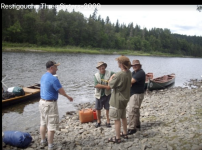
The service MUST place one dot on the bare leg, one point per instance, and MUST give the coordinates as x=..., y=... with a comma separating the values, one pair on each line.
x=50, y=137
x=98, y=115
x=107, y=115
x=124, y=122
x=117, y=128
x=43, y=132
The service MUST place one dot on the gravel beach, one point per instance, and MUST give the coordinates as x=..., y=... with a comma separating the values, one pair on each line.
x=171, y=119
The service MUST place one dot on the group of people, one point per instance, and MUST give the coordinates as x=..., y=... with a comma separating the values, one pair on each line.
x=113, y=91
x=128, y=90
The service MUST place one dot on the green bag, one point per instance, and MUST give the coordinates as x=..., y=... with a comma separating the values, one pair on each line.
x=18, y=91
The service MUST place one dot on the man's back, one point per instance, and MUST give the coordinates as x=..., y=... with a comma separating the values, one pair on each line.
x=121, y=88
x=124, y=82
x=49, y=87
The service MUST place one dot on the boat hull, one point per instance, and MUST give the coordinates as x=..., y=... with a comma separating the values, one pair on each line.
x=152, y=85
x=30, y=93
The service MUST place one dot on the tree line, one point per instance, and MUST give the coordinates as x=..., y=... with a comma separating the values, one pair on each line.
x=60, y=28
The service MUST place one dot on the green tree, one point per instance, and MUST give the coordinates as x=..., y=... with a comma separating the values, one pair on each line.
x=29, y=26
x=14, y=31
x=117, y=26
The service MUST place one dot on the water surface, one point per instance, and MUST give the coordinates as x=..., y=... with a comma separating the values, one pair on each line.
x=76, y=76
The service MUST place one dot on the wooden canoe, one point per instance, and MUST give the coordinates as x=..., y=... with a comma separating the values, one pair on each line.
x=30, y=93
x=161, y=82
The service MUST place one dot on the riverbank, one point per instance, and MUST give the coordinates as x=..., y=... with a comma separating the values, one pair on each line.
x=73, y=49
x=170, y=120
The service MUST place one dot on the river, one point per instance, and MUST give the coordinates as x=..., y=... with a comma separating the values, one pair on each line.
x=76, y=76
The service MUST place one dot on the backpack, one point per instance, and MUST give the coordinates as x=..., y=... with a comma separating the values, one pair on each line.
x=18, y=91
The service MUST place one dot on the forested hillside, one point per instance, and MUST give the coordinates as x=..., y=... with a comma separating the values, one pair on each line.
x=51, y=28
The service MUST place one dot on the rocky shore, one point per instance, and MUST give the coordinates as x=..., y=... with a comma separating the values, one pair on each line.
x=171, y=119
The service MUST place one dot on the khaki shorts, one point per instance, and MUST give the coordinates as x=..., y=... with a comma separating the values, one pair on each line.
x=49, y=115
x=116, y=114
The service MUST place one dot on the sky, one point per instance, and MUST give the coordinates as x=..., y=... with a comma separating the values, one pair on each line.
x=180, y=19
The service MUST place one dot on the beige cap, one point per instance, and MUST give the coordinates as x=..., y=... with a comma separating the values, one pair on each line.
x=100, y=64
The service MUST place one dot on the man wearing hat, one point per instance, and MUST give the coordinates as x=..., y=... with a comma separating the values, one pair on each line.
x=102, y=92
x=49, y=116
x=137, y=95
x=120, y=83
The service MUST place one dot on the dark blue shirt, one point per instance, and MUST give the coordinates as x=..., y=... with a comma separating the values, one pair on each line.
x=138, y=86
x=49, y=87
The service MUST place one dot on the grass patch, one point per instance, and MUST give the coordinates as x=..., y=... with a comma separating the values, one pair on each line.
x=199, y=112
x=173, y=137
x=183, y=119
x=7, y=46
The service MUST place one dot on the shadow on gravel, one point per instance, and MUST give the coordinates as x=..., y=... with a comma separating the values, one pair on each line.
x=150, y=124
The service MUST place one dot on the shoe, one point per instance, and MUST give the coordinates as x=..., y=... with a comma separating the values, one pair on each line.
x=44, y=144
x=132, y=131
x=124, y=135
x=97, y=124
x=53, y=147
x=108, y=125
x=114, y=140
x=138, y=127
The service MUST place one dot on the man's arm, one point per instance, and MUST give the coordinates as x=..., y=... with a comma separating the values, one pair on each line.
x=111, y=77
x=113, y=81
x=133, y=81
x=100, y=86
x=62, y=92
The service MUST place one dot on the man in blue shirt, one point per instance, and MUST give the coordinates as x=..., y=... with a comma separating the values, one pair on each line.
x=49, y=116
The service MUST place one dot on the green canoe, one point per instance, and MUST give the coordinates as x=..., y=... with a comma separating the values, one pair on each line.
x=161, y=82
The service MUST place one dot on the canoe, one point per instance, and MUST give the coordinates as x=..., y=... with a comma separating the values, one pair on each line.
x=161, y=82
x=30, y=93
x=148, y=76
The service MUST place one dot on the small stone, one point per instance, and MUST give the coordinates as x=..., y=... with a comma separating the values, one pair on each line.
x=64, y=130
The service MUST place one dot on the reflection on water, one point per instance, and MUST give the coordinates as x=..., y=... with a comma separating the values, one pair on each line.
x=20, y=116
x=76, y=76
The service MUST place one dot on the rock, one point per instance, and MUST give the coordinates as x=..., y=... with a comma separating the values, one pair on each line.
x=64, y=130
x=29, y=148
x=143, y=147
x=195, y=147
x=128, y=144
x=169, y=147
x=144, y=140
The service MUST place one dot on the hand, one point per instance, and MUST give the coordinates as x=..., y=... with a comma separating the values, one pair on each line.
x=108, y=87
x=70, y=98
x=111, y=77
x=113, y=74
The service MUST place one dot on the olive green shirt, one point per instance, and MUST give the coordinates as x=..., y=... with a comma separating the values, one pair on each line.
x=103, y=83
x=121, y=84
